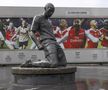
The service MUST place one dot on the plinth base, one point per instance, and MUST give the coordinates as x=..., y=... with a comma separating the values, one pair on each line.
x=62, y=78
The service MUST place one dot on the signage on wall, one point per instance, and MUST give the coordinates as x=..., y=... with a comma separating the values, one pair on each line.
x=94, y=56
x=77, y=55
x=21, y=55
x=8, y=58
x=73, y=56
x=34, y=57
x=78, y=12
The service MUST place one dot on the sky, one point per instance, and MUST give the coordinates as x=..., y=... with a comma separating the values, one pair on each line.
x=57, y=3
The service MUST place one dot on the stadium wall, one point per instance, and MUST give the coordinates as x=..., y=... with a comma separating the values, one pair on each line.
x=60, y=12
x=74, y=56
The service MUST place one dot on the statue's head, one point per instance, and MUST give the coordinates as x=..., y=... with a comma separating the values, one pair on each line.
x=49, y=10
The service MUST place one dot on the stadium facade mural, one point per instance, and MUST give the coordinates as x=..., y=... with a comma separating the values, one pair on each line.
x=70, y=33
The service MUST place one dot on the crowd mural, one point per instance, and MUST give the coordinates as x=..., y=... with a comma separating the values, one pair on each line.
x=69, y=32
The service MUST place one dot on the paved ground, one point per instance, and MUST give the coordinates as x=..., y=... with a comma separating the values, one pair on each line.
x=87, y=77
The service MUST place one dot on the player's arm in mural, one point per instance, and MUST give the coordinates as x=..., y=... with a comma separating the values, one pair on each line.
x=65, y=36
x=14, y=36
x=91, y=37
x=56, y=29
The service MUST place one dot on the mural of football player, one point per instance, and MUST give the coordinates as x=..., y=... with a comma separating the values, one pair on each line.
x=10, y=32
x=93, y=35
x=77, y=35
x=22, y=31
x=61, y=32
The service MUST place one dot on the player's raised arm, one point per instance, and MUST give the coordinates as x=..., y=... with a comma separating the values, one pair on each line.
x=91, y=37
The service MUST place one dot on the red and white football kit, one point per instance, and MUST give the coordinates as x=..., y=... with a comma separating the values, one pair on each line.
x=104, y=42
x=59, y=34
x=77, y=40
x=10, y=43
x=9, y=33
x=92, y=42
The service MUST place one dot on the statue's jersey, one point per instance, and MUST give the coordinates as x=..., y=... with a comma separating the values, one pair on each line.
x=44, y=27
x=77, y=41
x=105, y=34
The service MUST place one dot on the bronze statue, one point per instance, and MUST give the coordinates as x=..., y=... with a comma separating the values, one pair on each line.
x=54, y=54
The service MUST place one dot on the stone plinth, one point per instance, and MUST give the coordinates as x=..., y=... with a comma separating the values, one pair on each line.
x=62, y=78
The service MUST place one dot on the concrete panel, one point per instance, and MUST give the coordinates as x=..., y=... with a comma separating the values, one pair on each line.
x=105, y=55
x=84, y=55
x=19, y=56
x=72, y=55
x=7, y=57
x=60, y=12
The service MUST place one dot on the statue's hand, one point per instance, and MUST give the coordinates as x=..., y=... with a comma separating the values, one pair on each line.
x=40, y=47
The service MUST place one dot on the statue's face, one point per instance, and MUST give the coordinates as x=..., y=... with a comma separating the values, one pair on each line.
x=49, y=10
